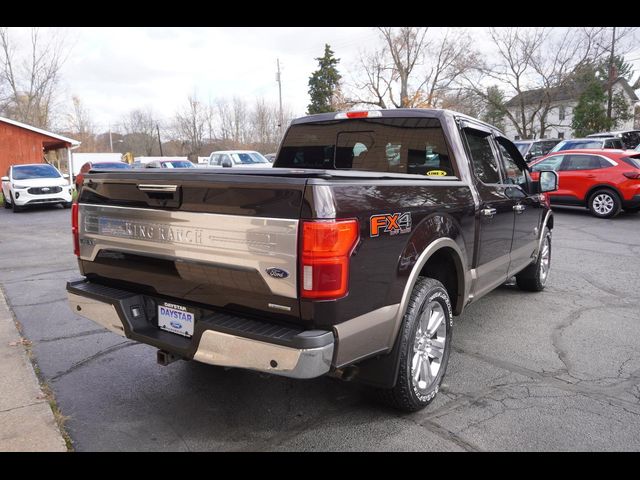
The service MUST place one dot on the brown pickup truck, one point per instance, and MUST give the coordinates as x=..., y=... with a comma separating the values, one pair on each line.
x=349, y=257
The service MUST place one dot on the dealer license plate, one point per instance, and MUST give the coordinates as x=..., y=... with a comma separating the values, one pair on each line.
x=176, y=319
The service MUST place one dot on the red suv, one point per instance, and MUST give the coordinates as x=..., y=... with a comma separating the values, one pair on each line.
x=604, y=181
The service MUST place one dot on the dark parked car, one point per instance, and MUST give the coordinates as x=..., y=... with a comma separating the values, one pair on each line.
x=98, y=166
x=630, y=138
x=349, y=257
x=532, y=149
x=595, y=142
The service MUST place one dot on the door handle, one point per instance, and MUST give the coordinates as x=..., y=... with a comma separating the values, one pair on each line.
x=519, y=208
x=488, y=212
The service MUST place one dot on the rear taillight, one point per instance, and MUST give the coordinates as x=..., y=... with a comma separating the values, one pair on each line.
x=360, y=114
x=74, y=229
x=632, y=175
x=325, y=249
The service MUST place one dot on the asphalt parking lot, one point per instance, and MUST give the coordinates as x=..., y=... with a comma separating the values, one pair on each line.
x=557, y=370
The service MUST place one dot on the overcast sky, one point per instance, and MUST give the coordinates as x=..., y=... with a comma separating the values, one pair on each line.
x=116, y=69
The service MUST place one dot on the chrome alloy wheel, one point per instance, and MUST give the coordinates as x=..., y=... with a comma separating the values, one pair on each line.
x=428, y=347
x=603, y=204
x=545, y=260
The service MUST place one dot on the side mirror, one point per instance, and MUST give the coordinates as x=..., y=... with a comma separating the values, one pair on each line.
x=5, y=179
x=227, y=163
x=65, y=175
x=548, y=181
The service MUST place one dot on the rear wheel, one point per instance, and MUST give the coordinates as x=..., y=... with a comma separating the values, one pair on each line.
x=604, y=203
x=425, y=345
x=534, y=277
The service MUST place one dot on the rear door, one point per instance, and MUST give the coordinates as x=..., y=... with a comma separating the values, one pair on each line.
x=578, y=172
x=495, y=217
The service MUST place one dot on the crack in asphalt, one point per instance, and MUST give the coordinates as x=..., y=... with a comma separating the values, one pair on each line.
x=75, y=335
x=85, y=361
x=36, y=304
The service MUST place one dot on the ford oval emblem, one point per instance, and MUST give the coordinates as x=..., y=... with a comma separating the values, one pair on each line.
x=277, y=272
x=176, y=325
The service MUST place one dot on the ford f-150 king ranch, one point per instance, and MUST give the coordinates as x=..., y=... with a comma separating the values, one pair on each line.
x=350, y=257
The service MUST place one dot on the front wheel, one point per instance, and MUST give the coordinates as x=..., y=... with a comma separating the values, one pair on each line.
x=604, y=204
x=16, y=208
x=66, y=204
x=5, y=203
x=425, y=345
x=534, y=277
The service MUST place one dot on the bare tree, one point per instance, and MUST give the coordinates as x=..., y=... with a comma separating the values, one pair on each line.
x=79, y=124
x=28, y=82
x=415, y=67
x=140, y=127
x=532, y=64
x=190, y=125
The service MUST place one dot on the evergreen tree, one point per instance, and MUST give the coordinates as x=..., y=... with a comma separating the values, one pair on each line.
x=495, y=109
x=590, y=115
x=324, y=83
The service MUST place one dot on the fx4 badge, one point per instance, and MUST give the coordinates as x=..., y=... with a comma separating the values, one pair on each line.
x=391, y=223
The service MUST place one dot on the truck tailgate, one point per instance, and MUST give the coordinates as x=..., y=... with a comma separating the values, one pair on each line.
x=201, y=237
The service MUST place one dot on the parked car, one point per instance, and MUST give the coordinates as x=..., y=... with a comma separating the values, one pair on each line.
x=604, y=181
x=630, y=138
x=98, y=166
x=270, y=156
x=35, y=184
x=238, y=159
x=169, y=164
x=533, y=149
x=581, y=143
x=349, y=258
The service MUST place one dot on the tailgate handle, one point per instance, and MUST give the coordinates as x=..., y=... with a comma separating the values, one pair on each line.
x=158, y=188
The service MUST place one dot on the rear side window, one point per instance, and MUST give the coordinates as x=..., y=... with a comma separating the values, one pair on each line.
x=483, y=159
x=581, y=162
x=634, y=161
x=613, y=143
x=395, y=145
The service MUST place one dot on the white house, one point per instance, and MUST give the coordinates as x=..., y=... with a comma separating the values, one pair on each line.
x=560, y=115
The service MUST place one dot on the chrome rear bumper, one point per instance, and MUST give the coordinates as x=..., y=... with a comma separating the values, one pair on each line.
x=220, y=348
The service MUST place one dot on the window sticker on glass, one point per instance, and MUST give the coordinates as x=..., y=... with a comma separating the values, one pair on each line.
x=436, y=173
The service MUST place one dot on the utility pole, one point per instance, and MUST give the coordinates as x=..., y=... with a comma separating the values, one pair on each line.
x=279, y=80
x=159, y=141
x=110, y=139
x=611, y=79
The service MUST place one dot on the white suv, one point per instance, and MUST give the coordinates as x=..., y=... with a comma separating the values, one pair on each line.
x=35, y=184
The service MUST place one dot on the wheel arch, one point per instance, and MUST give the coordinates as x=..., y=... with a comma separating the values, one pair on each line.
x=602, y=186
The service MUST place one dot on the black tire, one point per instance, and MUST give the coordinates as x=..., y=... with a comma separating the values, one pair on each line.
x=632, y=210
x=604, y=203
x=5, y=203
x=66, y=204
x=406, y=395
x=534, y=277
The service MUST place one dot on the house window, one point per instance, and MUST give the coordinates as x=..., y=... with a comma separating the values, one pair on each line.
x=560, y=134
x=517, y=137
x=561, y=112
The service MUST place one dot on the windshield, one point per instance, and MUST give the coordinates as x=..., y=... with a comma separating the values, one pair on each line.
x=393, y=145
x=249, y=158
x=26, y=172
x=522, y=147
x=111, y=165
x=573, y=144
x=178, y=164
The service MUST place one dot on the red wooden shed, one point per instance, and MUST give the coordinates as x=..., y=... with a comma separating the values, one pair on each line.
x=21, y=143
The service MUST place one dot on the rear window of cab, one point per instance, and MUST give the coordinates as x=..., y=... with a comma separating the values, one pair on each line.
x=388, y=145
